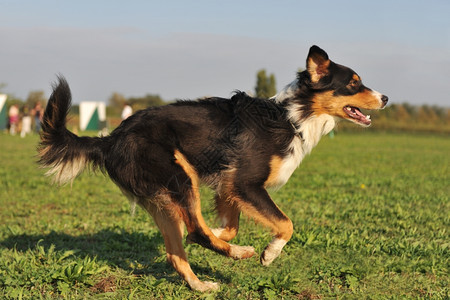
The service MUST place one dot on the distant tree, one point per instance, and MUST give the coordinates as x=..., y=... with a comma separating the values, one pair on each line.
x=426, y=114
x=265, y=86
x=389, y=111
x=35, y=97
x=116, y=102
x=11, y=100
x=272, y=85
x=411, y=109
x=75, y=109
x=401, y=113
x=439, y=111
x=261, y=83
x=147, y=101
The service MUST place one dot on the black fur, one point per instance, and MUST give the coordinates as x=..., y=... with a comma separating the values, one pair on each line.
x=58, y=144
x=214, y=134
x=237, y=146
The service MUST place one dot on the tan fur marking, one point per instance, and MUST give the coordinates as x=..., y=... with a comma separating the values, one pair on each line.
x=317, y=68
x=275, y=166
x=227, y=208
x=281, y=228
x=229, y=213
x=285, y=229
x=44, y=151
x=356, y=77
x=234, y=251
x=190, y=171
x=327, y=103
x=188, y=168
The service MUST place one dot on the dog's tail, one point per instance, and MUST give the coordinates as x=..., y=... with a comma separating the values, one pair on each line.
x=64, y=153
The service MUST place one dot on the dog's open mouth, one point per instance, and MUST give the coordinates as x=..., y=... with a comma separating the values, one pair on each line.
x=356, y=115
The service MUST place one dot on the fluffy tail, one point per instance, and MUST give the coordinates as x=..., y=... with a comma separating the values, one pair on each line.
x=64, y=153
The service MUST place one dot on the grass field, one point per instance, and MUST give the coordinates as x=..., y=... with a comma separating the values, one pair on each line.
x=371, y=215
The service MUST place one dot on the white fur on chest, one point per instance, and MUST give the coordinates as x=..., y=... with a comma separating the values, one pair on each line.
x=290, y=162
x=311, y=130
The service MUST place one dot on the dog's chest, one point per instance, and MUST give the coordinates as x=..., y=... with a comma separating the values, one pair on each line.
x=312, y=130
x=281, y=169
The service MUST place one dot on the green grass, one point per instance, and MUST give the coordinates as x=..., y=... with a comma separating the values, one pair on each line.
x=370, y=214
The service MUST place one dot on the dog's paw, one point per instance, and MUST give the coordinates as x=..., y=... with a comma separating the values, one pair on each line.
x=267, y=257
x=241, y=252
x=272, y=251
x=204, y=286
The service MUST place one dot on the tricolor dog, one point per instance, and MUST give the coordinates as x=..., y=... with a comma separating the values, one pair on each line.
x=239, y=147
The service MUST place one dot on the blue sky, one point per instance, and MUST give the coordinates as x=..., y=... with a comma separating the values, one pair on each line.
x=190, y=49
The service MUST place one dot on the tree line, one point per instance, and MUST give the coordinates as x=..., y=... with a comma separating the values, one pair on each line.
x=397, y=117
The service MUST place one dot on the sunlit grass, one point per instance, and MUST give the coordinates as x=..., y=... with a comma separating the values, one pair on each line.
x=370, y=214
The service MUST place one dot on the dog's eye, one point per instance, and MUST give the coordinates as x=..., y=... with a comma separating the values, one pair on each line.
x=355, y=83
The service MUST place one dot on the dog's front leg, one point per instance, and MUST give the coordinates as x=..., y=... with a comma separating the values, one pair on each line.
x=283, y=230
x=256, y=203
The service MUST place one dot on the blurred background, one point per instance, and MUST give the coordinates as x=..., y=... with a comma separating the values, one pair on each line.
x=153, y=52
x=370, y=210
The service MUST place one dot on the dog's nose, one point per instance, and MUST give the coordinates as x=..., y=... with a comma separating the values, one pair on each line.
x=384, y=99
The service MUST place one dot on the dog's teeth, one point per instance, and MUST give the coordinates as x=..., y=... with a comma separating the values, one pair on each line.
x=348, y=108
x=368, y=117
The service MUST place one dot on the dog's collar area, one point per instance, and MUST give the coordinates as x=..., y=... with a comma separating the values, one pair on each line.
x=297, y=131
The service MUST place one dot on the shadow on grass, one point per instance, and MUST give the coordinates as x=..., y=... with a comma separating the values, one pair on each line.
x=117, y=248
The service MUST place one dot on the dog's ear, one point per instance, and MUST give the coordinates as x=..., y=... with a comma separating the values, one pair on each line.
x=317, y=63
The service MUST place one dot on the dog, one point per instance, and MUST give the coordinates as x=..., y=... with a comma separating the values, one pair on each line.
x=239, y=147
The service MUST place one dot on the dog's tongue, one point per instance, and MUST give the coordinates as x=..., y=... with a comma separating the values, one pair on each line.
x=355, y=113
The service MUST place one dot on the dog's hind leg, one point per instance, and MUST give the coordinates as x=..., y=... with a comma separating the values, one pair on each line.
x=171, y=226
x=185, y=192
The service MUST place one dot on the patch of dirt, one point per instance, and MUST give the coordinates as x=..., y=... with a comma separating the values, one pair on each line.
x=308, y=294
x=105, y=285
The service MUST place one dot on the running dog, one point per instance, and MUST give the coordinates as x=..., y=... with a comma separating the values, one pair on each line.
x=238, y=146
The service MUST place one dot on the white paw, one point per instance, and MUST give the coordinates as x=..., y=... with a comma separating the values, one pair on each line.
x=272, y=251
x=267, y=257
x=241, y=252
x=204, y=286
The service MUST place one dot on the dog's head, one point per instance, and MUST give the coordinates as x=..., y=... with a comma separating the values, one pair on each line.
x=328, y=88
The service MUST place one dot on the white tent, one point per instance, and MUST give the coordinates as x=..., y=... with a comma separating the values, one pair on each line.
x=92, y=115
x=3, y=112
